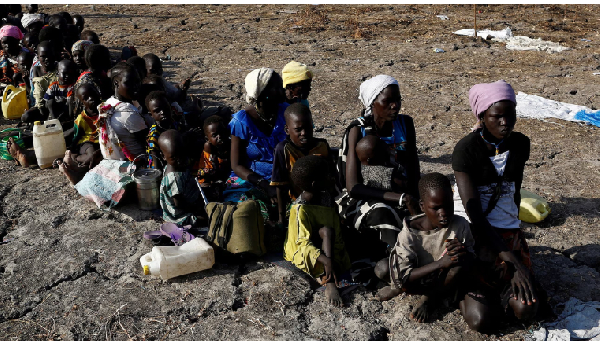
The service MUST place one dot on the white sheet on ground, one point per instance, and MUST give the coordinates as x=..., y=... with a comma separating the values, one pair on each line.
x=537, y=107
x=521, y=43
x=578, y=321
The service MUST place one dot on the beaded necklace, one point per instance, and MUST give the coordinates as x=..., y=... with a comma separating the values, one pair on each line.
x=495, y=145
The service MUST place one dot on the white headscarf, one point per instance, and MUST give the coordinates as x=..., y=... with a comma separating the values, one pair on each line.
x=256, y=81
x=29, y=19
x=371, y=88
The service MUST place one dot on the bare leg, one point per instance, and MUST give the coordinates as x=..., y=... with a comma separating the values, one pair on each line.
x=430, y=300
x=476, y=311
x=382, y=271
x=70, y=169
x=21, y=156
x=331, y=292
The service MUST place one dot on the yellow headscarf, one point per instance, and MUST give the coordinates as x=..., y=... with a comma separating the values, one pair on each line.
x=294, y=72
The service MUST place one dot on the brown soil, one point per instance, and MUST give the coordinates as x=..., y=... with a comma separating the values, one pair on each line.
x=70, y=271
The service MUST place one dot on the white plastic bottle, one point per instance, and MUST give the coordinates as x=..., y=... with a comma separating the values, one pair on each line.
x=48, y=142
x=172, y=261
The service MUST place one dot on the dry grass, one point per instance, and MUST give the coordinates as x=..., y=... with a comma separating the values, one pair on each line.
x=311, y=19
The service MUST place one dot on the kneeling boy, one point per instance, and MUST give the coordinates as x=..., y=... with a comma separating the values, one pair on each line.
x=433, y=249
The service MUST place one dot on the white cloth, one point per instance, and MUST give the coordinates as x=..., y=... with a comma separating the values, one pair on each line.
x=578, y=321
x=256, y=81
x=506, y=213
x=123, y=119
x=520, y=43
x=537, y=107
x=29, y=19
x=371, y=88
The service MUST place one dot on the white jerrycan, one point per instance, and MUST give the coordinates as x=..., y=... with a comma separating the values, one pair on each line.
x=172, y=261
x=48, y=142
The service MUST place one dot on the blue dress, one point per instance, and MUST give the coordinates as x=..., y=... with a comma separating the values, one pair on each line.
x=260, y=150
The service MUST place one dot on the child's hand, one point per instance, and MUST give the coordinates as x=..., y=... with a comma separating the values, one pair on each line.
x=453, y=254
x=412, y=204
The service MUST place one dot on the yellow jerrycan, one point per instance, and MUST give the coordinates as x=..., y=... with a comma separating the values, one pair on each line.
x=533, y=208
x=15, y=103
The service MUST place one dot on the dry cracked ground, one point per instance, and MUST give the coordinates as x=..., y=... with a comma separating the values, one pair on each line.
x=71, y=271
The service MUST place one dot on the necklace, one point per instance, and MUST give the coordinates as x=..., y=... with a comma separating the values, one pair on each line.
x=495, y=145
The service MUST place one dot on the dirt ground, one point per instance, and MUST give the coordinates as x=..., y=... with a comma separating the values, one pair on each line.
x=71, y=271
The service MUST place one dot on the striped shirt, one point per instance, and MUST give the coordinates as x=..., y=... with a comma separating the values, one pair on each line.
x=57, y=92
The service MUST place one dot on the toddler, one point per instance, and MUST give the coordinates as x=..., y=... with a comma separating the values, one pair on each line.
x=314, y=242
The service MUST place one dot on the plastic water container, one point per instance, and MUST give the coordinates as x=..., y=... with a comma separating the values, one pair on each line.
x=14, y=102
x=48, y=142
x=172, y=261
x=533, y=208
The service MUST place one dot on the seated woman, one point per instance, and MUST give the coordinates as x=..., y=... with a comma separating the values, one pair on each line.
x=488, y=164
x=374, y=212
x=297, y=80
x=9, y=38
x=78, y=53
x=255, y=131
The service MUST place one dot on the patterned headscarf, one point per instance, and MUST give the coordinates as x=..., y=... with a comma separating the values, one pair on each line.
x=256, y=81
x=29, y=19
x=483, y=95
x=81, y=45
x=371, y=88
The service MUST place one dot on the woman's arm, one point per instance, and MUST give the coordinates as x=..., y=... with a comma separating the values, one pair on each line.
x=413, y=169
x=238, y=156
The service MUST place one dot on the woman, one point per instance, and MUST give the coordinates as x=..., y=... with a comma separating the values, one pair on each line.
x=255, y=131
x=367, y=209
x=488, y=165
x=10, y=37
x=78, y=53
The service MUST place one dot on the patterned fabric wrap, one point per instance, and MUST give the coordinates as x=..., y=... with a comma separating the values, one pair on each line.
x=85, y=129
x=153, y=134
x=105, y=183
x=9, y=67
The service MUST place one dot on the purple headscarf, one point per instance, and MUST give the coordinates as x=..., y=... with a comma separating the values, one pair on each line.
x=483, y=95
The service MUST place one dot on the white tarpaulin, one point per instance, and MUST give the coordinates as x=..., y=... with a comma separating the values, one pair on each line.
x=578, y=321
x=537, y=107
x=522, y=43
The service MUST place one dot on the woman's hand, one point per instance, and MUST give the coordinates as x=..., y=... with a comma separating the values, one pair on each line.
x=411, y=204
x=521, y=283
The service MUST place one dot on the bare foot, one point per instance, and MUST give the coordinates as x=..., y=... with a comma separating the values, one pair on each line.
x=423, y=310
x=17, y=152
x=333, y=295
x=387, y=293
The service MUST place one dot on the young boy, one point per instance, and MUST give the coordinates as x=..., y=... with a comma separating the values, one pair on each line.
x=175, y=93
x=432, y=252
x=313, y=242
x=214, y=166
x=299, y=143
x=160, y=110
x=84, y=152
x=25, y=61
x=297, y=80
x=180, y=198
x=376, y=168
x=59, y=92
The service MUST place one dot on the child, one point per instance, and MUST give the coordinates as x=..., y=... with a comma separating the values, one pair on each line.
x=299, y=143
x=313, y=241
x=84, y=151
x=79, y=22
x=91, y=36
x=60, y=91
x=44, y=75
x=297, y=80
x=175, y=93
x=78, y=53
x=432, y=251
x=214, y=166
x=25, y=62
x=377, y=169
x=180, y=198
x=30, y=41
x=160, y=109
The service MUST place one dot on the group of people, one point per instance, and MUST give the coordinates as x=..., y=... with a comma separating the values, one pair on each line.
x=367, y=199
